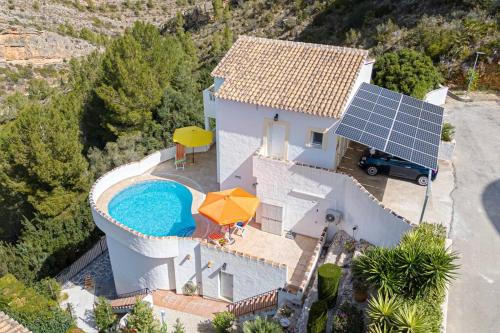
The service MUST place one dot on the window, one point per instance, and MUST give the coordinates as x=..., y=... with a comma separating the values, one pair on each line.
x=316, y=139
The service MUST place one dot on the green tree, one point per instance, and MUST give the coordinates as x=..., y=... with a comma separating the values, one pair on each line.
x=141, y=58
x=47, y=245
x=141, y=319
x=104, y=316
x=406, y=71
x=218, y=8
x=41, y=161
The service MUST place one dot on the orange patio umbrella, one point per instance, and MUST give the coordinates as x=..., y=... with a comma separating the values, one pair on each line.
x=229, y=206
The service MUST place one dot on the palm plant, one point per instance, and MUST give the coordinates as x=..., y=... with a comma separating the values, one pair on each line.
x=260, y=325
x=409, y=320
x=381, y=310
x=419, y=265
x=376, y=268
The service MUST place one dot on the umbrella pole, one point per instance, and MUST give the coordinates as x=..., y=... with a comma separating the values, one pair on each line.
x=193, y=155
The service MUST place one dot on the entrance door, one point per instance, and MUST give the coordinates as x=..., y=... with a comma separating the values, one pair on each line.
x=226, y=286
x=171, y=273
x=276, y=136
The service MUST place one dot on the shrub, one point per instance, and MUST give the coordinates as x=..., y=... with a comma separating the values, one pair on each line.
x=406, y=71
x=348, y=319
x=223, y=321
x=420, y=265
x=318, y=317
x=189, y=288
x=141, y=319
x=394, y=314
x=104, y=316
x=32, y=309
x=381, y=310
x=328, y=282
x=260, y=325
x=447, y=132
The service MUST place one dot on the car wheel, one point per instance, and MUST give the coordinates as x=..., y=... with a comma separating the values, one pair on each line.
x=371, y=170
x=423, y=180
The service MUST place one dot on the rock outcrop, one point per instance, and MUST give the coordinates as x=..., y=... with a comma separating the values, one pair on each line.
x=24, y=46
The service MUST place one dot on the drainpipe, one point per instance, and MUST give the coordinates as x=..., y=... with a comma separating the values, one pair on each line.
x=427, y=194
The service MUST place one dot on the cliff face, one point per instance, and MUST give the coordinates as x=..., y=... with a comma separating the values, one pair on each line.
x=23, y=46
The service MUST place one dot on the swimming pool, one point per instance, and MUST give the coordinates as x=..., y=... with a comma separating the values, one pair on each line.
x=156, y=208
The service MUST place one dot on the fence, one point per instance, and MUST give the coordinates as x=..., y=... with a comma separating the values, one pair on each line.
x=66, y=274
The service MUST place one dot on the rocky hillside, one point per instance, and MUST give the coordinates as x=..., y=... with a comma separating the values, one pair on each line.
x=29, y=46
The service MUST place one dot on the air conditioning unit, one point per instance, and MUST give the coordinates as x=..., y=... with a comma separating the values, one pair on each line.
x=333, y=216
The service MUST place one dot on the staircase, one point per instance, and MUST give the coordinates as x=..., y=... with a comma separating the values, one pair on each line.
x=259, y=303
x=125, y=302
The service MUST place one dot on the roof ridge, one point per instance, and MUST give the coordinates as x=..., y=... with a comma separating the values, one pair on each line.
x=303, y=44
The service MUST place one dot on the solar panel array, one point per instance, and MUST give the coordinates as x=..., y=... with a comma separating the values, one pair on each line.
x=394, y=123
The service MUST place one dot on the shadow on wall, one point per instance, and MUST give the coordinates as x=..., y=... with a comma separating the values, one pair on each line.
x=491, y=203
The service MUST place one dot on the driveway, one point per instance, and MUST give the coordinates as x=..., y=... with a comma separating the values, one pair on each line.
x=390, y=191
x=474, y=299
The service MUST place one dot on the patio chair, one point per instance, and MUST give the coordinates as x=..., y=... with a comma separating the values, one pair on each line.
x=241, y=226
x=180, y=156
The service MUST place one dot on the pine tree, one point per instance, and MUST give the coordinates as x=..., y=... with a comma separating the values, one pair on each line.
x=42, y=164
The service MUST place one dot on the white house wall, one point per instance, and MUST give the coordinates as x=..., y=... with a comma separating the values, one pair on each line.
x=132, y=271
x=241, y=128
x=251, y=276
x=307, y=192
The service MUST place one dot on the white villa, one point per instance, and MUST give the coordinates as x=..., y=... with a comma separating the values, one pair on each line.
x=276, y=105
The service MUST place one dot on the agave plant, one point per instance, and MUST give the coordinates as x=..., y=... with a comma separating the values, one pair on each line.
x=381, y=311
x=409, y=320
x=378, y=328
x=260, y=325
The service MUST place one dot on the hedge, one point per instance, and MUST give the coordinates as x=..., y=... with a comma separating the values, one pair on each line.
x=318, y=317
x=328, y=283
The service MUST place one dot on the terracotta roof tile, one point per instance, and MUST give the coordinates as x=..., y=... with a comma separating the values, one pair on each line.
x=9, y=325
x=302, y=77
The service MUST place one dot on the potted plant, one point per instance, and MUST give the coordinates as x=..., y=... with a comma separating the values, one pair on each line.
x=360, y=290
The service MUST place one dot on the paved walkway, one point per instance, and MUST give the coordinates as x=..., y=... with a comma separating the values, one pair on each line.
x=194, y=312
x=474, y=303
x=195, y=305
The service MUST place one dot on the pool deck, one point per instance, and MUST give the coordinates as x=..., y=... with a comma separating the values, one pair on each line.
x=201, y=178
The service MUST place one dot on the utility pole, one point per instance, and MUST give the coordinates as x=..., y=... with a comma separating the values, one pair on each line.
x=473, y=71
x=427, y=195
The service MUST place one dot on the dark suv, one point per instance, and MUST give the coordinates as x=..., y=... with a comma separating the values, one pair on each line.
x=375, y=162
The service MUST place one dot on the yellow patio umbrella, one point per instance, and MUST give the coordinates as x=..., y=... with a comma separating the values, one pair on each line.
x=229, y=206
x=193, y=136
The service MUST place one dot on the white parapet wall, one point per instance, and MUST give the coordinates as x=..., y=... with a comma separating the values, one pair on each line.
x=307, y=192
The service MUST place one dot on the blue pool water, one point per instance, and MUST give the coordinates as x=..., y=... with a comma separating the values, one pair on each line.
x=156, y=208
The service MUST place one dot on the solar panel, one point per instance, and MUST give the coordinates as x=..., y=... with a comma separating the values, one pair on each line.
x=397, y=124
